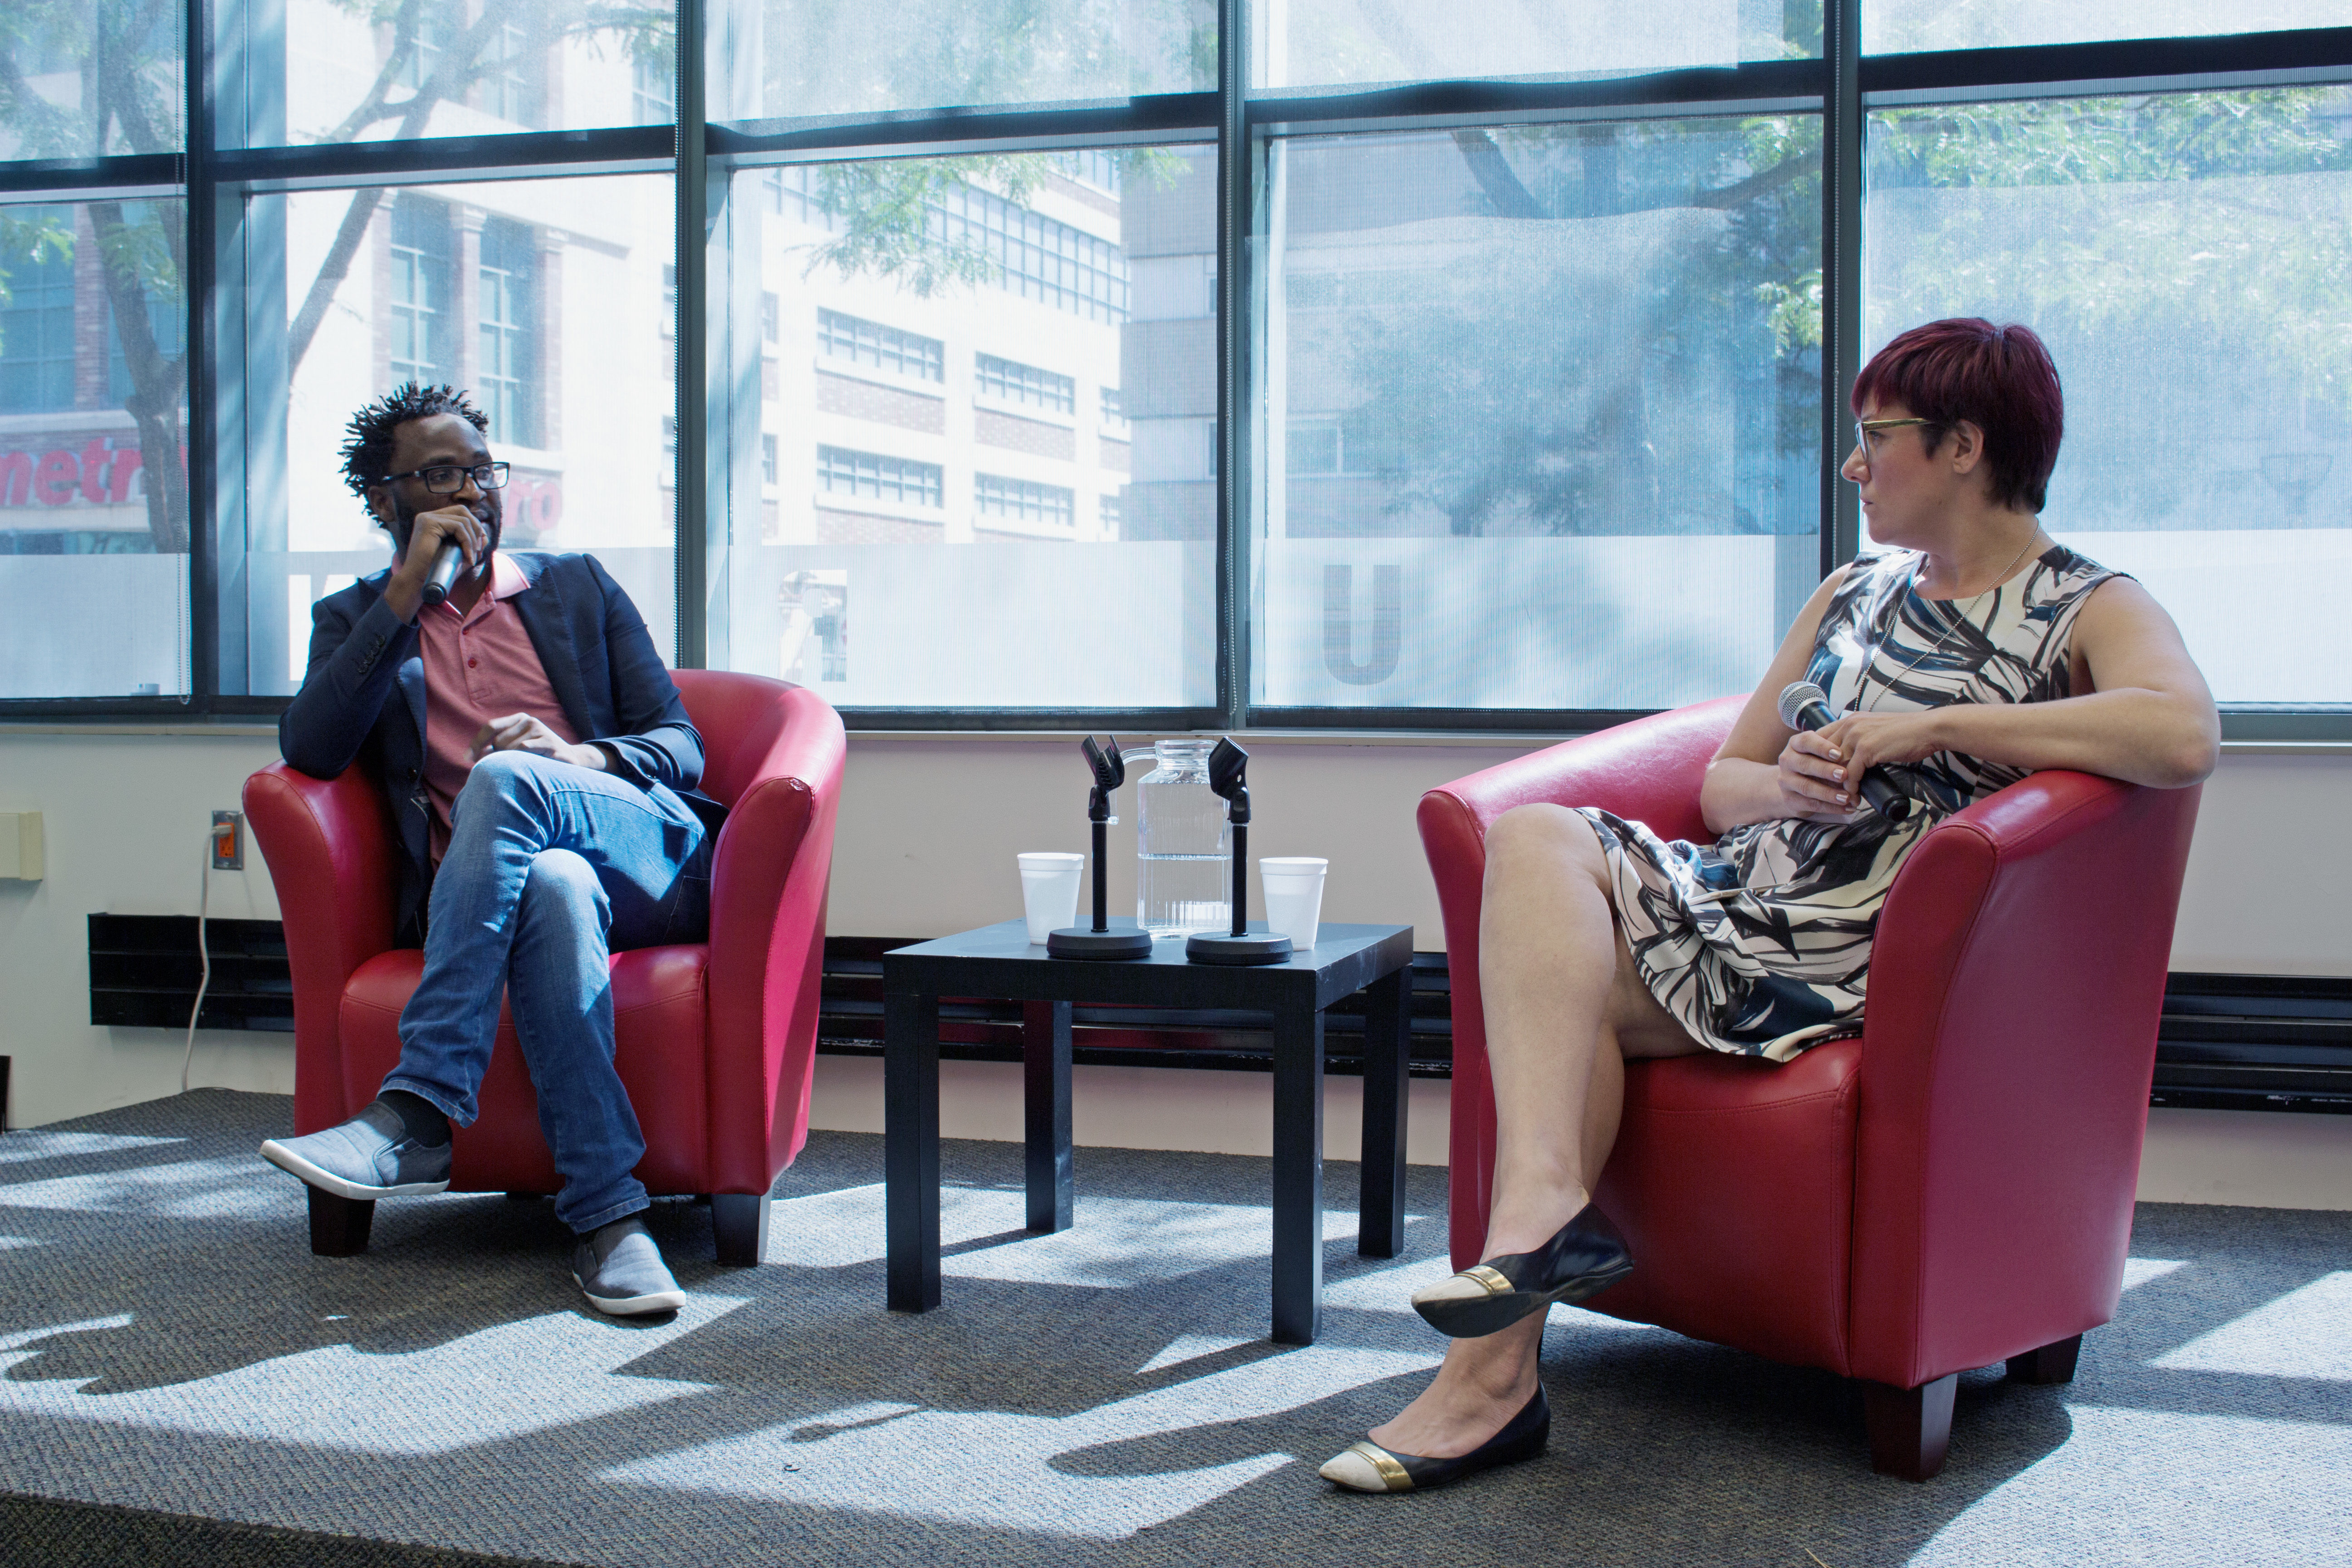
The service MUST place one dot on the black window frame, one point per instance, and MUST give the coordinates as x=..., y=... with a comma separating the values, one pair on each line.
x=216, y=170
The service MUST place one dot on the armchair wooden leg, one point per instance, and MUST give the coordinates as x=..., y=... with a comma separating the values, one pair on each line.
x=339, y=1226
x=2051, y=1364
x=1910, y=1428
x=741, y=1220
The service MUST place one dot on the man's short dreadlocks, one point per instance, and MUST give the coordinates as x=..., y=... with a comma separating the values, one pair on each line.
x=367, y=454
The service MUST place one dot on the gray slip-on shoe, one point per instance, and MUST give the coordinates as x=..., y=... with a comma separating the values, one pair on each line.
x=370, y=1156
x=620, y=1270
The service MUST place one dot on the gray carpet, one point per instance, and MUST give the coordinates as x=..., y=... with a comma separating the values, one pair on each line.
x=169, y=1348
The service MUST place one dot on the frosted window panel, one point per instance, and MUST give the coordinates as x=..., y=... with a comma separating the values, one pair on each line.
x=1009, y=504
x=545, y=299
x=330, y=71
x=1900, y=26
x=91, y=80
x=1543, y=416
x=791, y=57
x=93, y=496
x=2194, y=300
x=1331, y=42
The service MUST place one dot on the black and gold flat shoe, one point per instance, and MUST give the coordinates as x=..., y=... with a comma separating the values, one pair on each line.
x=1366, y=1467
x=1583, y=1259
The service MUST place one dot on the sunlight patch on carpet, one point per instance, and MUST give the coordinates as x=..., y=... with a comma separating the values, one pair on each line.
x=240, y=1187
x=995, y=1469
x=1119, y=1242
x=18, y=1147
x=2154, y=1489
x=2303, y=1334
x=1191, y=1347
x=2140, y=1271
x=448, y=1398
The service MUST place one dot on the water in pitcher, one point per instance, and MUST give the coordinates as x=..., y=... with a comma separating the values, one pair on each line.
x=1183, y=857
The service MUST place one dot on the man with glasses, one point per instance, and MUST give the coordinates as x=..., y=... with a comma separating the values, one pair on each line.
x=542, y=771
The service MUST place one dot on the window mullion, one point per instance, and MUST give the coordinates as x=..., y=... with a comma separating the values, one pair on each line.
x=692, y=392
x=1841, y=122
x=1236, y=202
x=202, y=371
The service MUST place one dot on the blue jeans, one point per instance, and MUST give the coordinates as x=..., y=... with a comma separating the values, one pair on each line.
x=550, y=868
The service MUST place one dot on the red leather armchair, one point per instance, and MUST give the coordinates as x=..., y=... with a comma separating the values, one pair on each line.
x=1951, y=1189
x=715, y=1040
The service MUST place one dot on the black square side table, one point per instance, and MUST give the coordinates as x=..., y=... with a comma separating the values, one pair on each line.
x=998, y=961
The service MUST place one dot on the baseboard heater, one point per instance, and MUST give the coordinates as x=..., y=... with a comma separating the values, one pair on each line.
x=2230, y=1042
x=143, y=970
x=2255, y=1042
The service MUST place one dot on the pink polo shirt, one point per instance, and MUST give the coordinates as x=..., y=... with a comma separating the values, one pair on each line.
x=478, y=667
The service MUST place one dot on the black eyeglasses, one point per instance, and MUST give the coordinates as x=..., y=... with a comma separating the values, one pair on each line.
x=447, y=480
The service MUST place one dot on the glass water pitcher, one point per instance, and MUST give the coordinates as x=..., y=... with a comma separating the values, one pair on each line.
x=1183, y=854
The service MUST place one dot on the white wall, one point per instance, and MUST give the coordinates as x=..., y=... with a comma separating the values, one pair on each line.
x=929, y=829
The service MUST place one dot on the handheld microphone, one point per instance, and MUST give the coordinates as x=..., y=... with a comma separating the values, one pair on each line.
x=446, y=567
x=1804, y=706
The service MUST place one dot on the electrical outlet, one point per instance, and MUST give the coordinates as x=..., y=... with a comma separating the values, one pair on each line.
x=229, y=841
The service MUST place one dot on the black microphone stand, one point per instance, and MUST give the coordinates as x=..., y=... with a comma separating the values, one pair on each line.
x=1101, y=941
x=1240, y=945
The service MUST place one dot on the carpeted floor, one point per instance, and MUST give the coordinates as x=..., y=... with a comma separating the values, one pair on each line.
x=181, y=1381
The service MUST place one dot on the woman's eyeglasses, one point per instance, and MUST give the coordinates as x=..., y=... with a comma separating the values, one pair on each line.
x=1863, y=429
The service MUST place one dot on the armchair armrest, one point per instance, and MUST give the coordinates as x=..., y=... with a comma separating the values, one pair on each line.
x=328, y=845
x=769, y=880
x=2016, y=980
x=1647, y=771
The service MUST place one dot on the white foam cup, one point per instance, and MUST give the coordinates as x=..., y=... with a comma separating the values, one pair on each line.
x=1049, y=891
x=1293, y=884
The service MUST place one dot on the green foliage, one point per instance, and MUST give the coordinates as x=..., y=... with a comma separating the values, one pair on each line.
x=34, y=236
x=1566, y=372
x=1793, y=311
x=2109, y=140
x=2130, y=223
x=124, y=55
x=889, y=222
x=142, y=250
x=1800, y=29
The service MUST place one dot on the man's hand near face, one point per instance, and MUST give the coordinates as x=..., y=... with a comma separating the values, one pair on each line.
x=404, y=593
x=522, y=732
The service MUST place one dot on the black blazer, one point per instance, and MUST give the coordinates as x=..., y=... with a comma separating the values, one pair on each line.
x=599, y=657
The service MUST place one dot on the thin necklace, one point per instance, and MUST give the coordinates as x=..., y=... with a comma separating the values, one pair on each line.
x=1861, y=683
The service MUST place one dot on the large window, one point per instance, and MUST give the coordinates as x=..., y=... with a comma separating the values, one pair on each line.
x=1891, y=26
x=93, y=443
x=929, y=437
x=1542, y=445
x=1157, y=364
x=330, y=71
x=1316, y=43
x=1011, y=381
x=869, y=343
x=839, y=58
x=86, y=80
x=418, y=304
x=2188, y=258
x=37, y=323
x=544, y=298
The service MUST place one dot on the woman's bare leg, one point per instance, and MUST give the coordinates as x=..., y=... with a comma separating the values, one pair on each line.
x=1564, y=1009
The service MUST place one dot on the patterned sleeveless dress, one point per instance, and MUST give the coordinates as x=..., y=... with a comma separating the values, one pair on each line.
x=1760, y=942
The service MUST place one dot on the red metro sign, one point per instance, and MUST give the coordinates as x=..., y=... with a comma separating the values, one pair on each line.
x=99, y=474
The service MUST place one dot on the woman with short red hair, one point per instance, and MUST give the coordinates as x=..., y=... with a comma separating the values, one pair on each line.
x=1963, y=652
